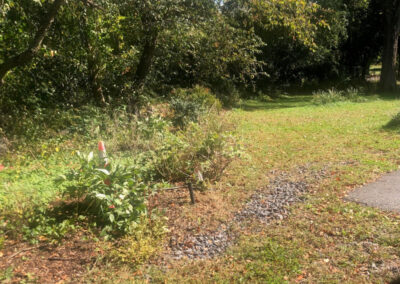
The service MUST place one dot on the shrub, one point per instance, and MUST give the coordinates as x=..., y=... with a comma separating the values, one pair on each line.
x=198, y=154
x=327, y=97
x=114, y=197
x=227, y=93
x=189, y=104
x=334, y=96
x=354, y=95
x=31, y=128
x=134, y=134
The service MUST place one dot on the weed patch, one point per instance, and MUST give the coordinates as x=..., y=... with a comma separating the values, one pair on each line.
x=335, y=96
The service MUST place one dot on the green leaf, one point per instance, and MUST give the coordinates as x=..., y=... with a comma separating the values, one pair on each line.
x=104, y=171
x=112, y=218
x=90, y=157
x=101, y=196
x=61, y=178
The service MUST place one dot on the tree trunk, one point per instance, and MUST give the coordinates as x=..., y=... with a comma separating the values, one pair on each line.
x=389, y=54
x=92, y=62
x=146, y=60
x=143, y=69
x=26, y=56
x=150, y=30
x=93, y=76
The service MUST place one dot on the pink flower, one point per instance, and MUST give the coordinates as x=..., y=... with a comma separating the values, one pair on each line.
x=2, y=167
x=111, y=206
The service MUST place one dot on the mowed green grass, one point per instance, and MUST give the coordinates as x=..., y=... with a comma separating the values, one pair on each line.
x=325, y=239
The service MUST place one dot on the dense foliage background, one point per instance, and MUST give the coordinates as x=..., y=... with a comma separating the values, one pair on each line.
x=123, y=52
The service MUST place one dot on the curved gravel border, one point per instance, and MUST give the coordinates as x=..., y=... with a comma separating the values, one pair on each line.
x=266, y=204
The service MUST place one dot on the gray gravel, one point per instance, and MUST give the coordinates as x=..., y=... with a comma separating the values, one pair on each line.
x=270, y=203
x=273, y=203
x=203, y=246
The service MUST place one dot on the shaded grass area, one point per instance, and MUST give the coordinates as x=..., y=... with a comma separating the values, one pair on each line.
x=394, y=123
x=286, y=102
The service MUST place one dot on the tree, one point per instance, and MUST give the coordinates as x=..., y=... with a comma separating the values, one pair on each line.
x=391, y=10
x=93, y=64
x=300, y=37
x=364, y=37
x=27, y=55
x=158, y=16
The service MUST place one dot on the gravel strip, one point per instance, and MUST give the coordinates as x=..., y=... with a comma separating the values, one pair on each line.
x=267, y=205
x=270, y=203
x=203, y=246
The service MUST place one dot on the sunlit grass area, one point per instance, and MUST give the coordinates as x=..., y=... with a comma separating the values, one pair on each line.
x=326, y=239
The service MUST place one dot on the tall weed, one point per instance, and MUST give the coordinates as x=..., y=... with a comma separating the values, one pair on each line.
x=335, y=96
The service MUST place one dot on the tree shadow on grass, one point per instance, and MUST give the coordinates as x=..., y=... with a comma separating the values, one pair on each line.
x=279, y=103
x=393, y=124
x=293, y=101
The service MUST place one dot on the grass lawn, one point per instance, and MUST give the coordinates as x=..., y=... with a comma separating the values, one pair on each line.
x=325, y=239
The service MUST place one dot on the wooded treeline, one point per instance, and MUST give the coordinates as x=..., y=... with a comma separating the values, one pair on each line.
x=58, y=52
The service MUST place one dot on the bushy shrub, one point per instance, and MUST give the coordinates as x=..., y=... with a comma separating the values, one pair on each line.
x=227, y=93
x=198, y=154
x=326, y=97
x=354, y=95
x=134, y=134
x=149, y=150
x=189, y=104
x=113, y=197
x=25, y=128
x=265, y=98
x=334, y=96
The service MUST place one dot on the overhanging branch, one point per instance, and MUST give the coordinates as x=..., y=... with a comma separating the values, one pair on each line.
x=26, y=56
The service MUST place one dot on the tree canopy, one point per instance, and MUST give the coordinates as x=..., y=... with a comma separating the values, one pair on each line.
x=112, y=52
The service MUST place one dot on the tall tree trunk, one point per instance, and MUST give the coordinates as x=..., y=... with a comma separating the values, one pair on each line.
x=389, y=54
x=146, y=59
x=150, y=30
x=92, y=62
x=143, y=69
x=26, y=56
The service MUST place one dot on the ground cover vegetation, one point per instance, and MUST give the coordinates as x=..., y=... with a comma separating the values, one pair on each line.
x=200, y=92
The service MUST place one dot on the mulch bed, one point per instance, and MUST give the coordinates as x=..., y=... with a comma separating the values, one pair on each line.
x=47, y=263
x=202, y=230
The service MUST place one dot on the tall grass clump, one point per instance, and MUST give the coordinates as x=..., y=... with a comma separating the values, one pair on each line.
x=334, y=96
